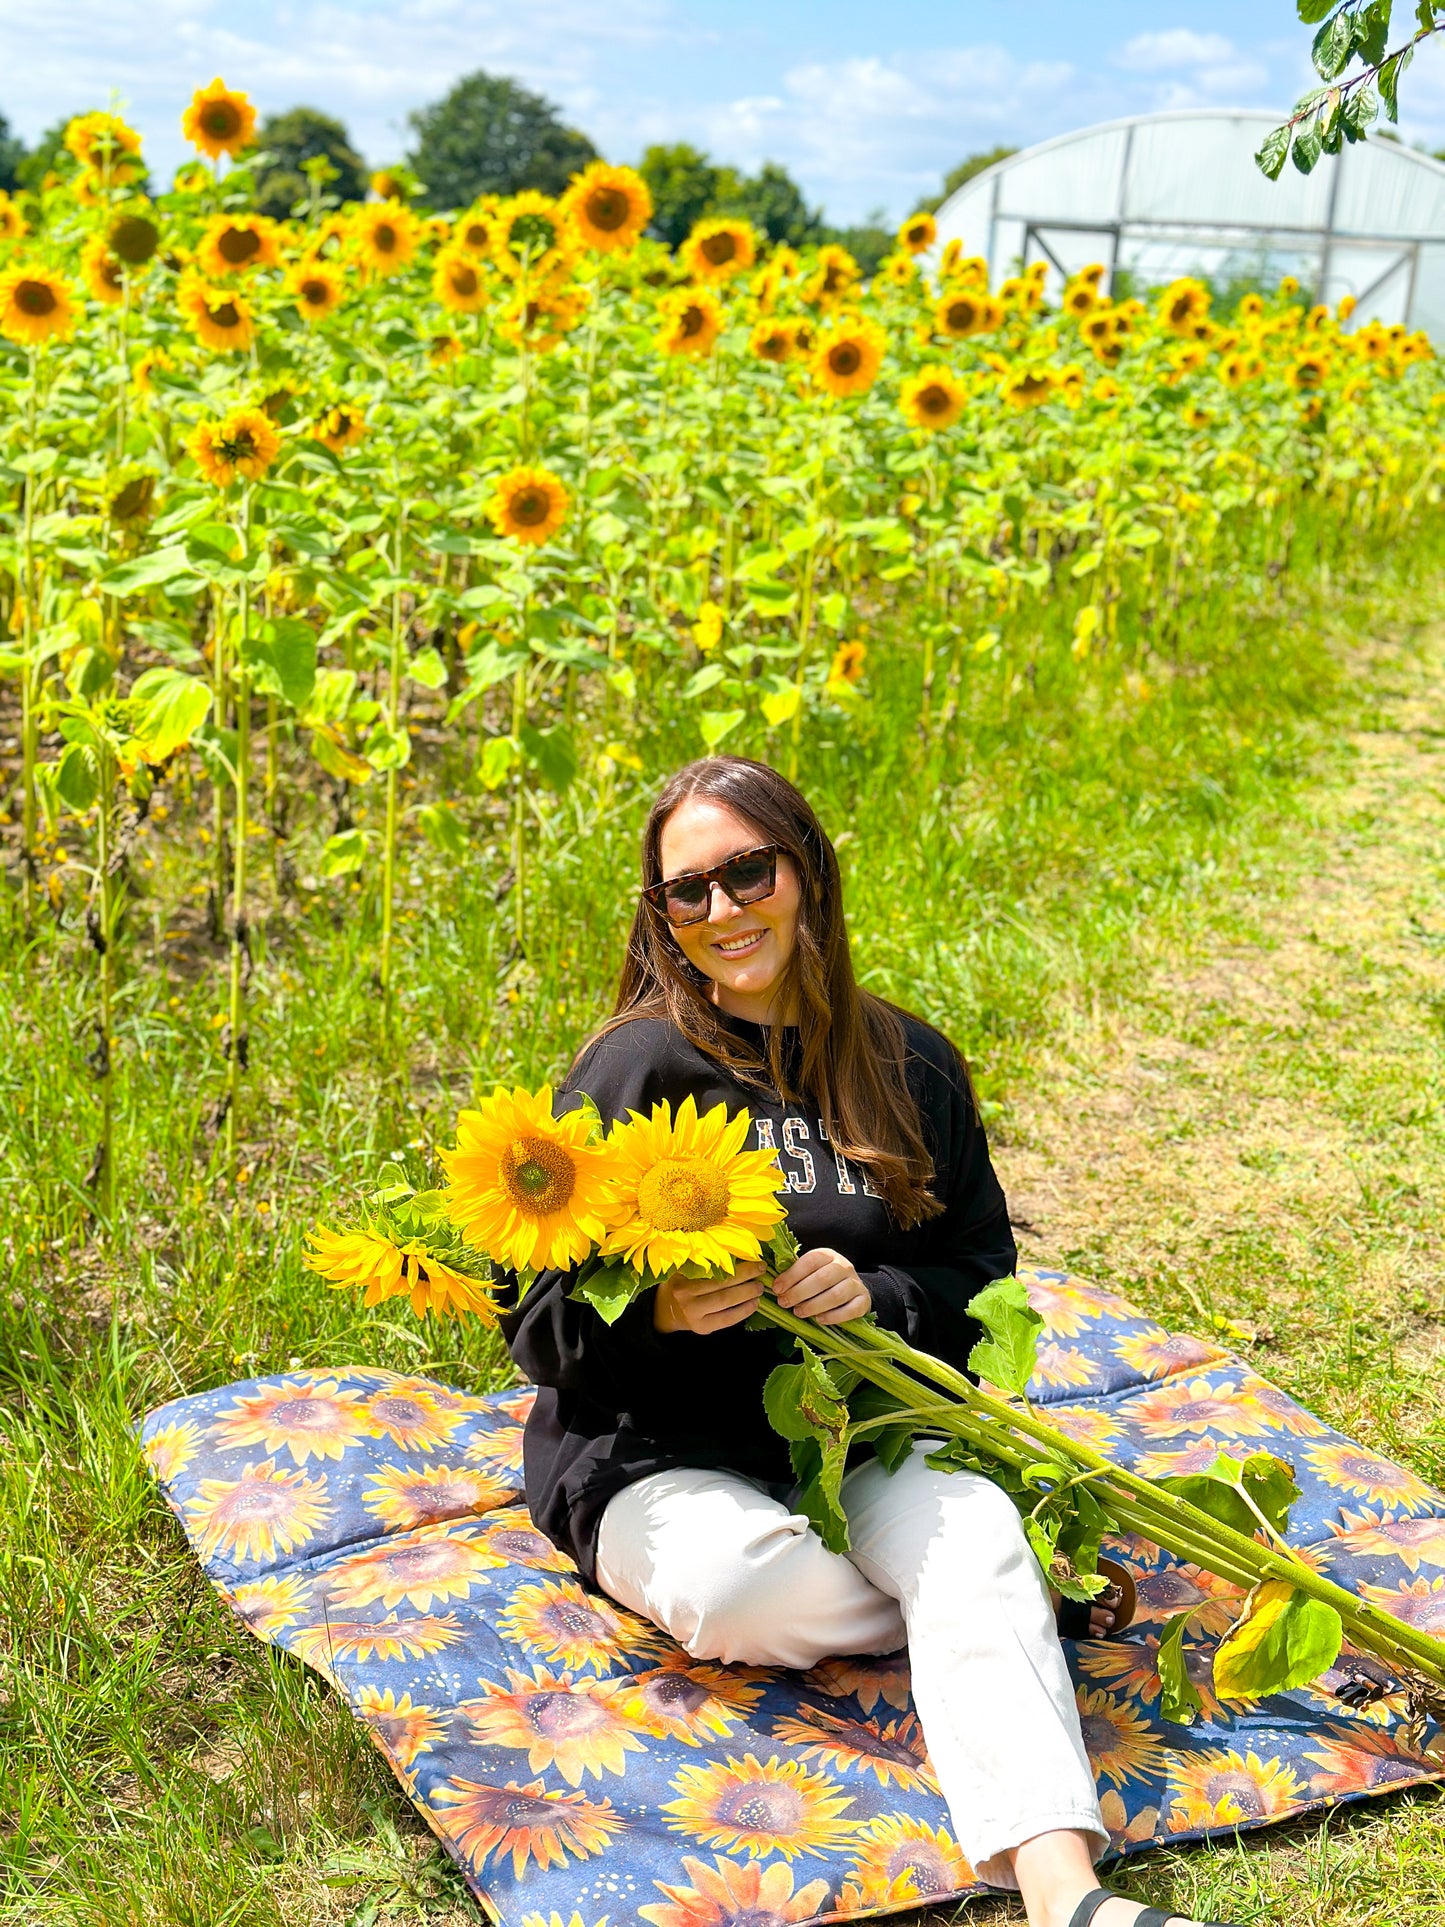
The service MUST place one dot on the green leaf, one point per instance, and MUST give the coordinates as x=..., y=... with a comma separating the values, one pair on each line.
x=283, y=657
x=427, y=668
x=820, y=1469
x=387, y=748
x=336, y=759
x=714, y=724
x=167, y=707
x=782, y=1248
x=1284, y=1638
x=708, y=677
x=1180, y=1700
x=344, y=853
x=1306, y=149
x=158, y=570
x=1372, y=31
x=500, y=755
x=1270, y=158
x=1333, y=45
x=442, y=829
x=782, y=705
x=1388, y=81
x=1360, y=110
x=77, y=777
x=782, y=1401
x=1219, y=1490
x=1311, y=11
x=552, y=753
x=609, y=1290
x=1006, y=1354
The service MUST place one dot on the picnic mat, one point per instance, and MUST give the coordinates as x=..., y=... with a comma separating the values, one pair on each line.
x=580, y=1767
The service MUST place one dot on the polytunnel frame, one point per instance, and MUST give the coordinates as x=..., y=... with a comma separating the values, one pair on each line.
x=1122, y=224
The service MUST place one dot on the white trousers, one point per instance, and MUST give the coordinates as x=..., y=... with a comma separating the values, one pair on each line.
x=939, y=1562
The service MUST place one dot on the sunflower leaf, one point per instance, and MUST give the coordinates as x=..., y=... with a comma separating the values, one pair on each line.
x=1283, y=1638
x=609, y=1290
x=1180, y=1700
x=1006, y=1353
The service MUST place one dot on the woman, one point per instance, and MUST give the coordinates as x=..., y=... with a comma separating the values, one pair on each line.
x=648, y=1454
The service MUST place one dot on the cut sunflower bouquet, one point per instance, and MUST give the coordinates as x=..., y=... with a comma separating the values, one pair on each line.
x=625, y=1207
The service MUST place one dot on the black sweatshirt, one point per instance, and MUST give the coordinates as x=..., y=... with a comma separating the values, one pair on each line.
x=618, y=1402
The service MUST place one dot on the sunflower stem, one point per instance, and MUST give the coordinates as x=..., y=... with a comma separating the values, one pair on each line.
x=393, y=774
x=240, y=948
x=29, y=734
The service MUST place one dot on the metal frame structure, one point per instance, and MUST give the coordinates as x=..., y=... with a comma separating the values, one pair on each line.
x=1344, y=252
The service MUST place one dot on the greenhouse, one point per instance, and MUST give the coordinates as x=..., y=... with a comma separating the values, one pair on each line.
x=1160, y=195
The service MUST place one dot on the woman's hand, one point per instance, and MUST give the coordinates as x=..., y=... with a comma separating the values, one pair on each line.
x=823, y=1285
x=703, y=1305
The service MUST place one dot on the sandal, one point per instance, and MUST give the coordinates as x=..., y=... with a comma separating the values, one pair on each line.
x=1151, y=1916
x=1072, y=1615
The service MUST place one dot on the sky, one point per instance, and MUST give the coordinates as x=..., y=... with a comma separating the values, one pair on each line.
x=867, y=106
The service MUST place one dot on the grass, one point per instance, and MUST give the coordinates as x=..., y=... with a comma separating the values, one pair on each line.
x=1193, y=948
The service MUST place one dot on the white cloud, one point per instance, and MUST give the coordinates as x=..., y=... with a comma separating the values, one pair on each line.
x=1152, y=53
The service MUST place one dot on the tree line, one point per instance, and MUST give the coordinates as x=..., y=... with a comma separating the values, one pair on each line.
x=490, y=135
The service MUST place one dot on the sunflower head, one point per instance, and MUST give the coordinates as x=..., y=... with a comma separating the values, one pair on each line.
x=317, y=287
x=524, y=1185
x=1028, y=387
x=539, y=320
x=609, y=207
x=1185, y=303
x=35, y=305
x=716, y=250
x=384, y=235
x=442, y=349
x=459, y=282
x=848, y=661
x=963, y=270
x=340, y=428
x=529, y=505
x=967, y=311
x=219, y=317
x=236, y=243
x=771, y=341
x=133, y=237
x=933, y=398
x=1080, y=298
x=13, y=224
x=532, y=236
x=242, y=444
x=918, y=233
x=218, y=121
x=847, y=358
x=685, y=1192
x=106, y=148
x=103, y=274
x=692, y=322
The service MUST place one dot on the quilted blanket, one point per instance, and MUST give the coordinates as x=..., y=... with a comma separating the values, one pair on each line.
x=577, y=1763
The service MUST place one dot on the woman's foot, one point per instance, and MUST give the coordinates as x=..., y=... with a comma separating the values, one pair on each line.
x=1118, y=1912
x=1102, y=1614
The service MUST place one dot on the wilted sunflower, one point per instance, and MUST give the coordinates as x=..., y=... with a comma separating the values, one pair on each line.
x=133, y=237
x=716, y=250
x=243, y=443
x=235, y=243
x=373, y=1263
x=918, y=233
x=965, y=311
x=692, y=322
x=1028, y=387
x=609, y=207
x=685, y=1192
x=531, y=235
x=12, y=222
x=1184, y=305
x=458, y=282
x=847, y=359
x=318, y=289
x=524, y=1185
x=340, y=428
x=529, y=505
x=106, y=148
x=103, y=275
x=218, y=317
x=35, y=305
x=218, y=121
x=771, y=340
x=834, y=277
x=384, y=236
x=933, y=398
x=130, y=497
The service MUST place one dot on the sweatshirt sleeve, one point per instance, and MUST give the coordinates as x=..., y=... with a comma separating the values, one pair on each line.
x=552, y=1338
x=970, y=1243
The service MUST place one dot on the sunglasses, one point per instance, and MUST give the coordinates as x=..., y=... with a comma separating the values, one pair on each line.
x=746, y=878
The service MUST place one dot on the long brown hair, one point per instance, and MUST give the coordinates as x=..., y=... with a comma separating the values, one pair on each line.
x=853, y=1044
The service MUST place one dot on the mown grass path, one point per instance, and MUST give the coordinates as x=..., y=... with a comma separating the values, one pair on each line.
x=1255, y=1134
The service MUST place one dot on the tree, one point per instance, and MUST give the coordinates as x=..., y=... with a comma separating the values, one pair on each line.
x=1347, y=33
x=867, y=242
x=44, y=157
x=12, y=153
x=490, y=136
x=965, y=171
x=684, y=184
x=302, y=134
x=772, y=201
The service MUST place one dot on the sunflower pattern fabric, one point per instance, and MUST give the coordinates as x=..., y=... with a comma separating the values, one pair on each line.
x=578, y=1764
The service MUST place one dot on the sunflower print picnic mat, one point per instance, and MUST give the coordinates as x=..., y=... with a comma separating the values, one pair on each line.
x=578, y=1764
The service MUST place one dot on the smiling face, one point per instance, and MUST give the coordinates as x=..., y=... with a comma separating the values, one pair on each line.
x=743, y=948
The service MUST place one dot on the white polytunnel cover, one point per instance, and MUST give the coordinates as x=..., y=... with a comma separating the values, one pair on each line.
x=1162, y=195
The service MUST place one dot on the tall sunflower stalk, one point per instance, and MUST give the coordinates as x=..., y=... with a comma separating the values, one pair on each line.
x=663, y=1194
x=393, y=773
x=240, y=957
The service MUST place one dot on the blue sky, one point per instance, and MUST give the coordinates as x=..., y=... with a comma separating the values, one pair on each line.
x=866, y=104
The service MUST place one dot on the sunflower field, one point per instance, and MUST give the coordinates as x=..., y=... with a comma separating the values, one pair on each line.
x=362, y=574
